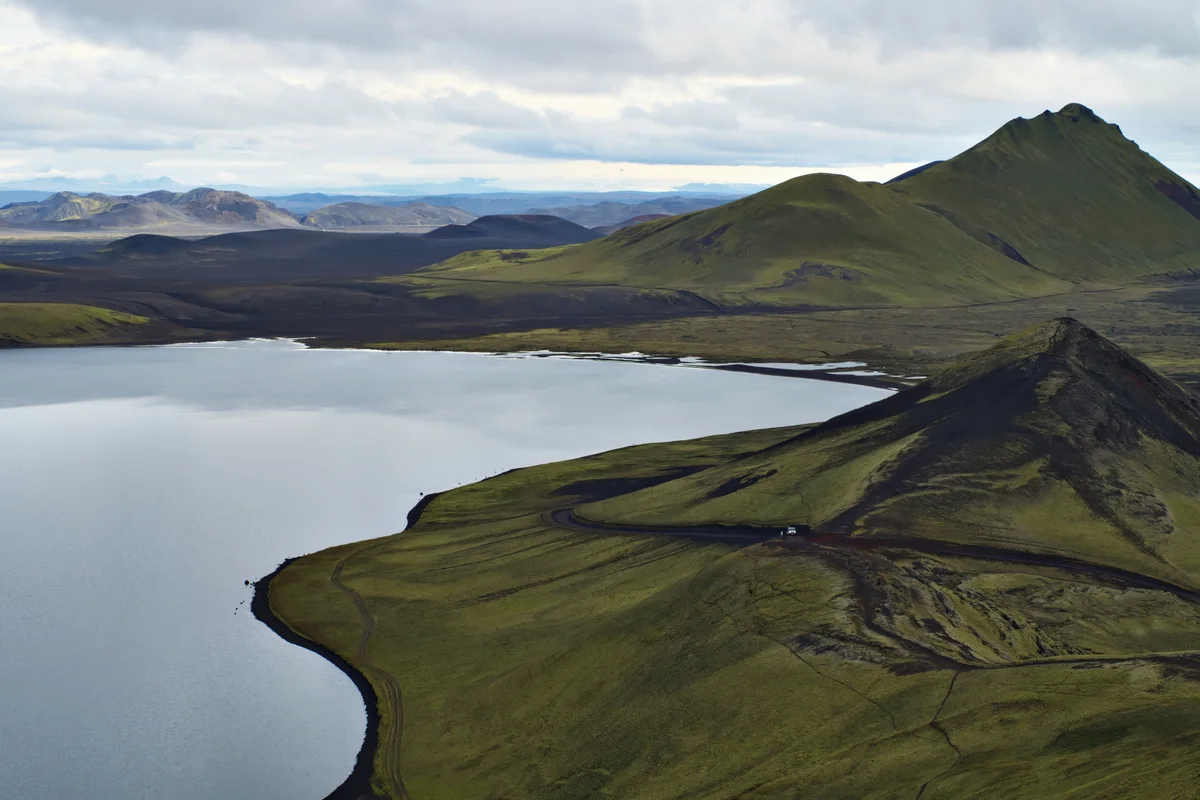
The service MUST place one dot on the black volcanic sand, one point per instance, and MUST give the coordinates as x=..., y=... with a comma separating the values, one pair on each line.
x=357, y=785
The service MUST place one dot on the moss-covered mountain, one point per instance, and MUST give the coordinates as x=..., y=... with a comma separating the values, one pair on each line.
x=1040, y=206
x=1055, y=441
x=1071, y=195
x=995, y=597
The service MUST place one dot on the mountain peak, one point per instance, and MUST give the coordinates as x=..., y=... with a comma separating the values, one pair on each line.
x=1078, y=112
x=1064, y=340
x=1072, y=120
x=1053, y=336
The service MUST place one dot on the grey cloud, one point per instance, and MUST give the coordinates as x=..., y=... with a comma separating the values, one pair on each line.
x=1166, y=26
x=93, y=140
x=851, y=81
x=613, y=34
x=542, y=39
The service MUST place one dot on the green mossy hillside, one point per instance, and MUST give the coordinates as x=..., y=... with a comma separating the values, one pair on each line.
x=62, y=323
x=1073, y=196
x=1054, y=441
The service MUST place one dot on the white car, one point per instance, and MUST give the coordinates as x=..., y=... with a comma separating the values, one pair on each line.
x=790, y=530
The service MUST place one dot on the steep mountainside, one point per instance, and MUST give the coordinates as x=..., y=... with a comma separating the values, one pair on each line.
x=817, y=239
x=1072, y=195
x=417, y=214
x=1054, y=441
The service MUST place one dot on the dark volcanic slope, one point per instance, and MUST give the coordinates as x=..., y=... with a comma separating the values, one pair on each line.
x=523, y=230
x=1055, y=441
x=309, y=254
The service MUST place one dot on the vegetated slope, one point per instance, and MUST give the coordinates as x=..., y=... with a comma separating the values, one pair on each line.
x=1072, y=195
x=61, y=323
x=309, y=254
x=611, y=213
x=531, y=230
x=607, y=230
x=1055, y=441
x=67, y=210
x=817, y=239
x=352, y=214
x=882, y=655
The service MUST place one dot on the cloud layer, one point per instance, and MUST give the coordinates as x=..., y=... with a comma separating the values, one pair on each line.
x=563, y=92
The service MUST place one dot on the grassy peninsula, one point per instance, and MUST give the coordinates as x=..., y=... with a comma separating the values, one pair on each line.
x=995, y=593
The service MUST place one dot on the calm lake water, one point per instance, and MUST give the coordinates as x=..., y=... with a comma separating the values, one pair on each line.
x=140, y=488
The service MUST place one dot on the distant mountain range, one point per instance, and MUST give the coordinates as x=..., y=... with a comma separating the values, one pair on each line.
x=109, y=184
x=515, y=202
x=220, y=208
x=211, y=208
x=67, y=210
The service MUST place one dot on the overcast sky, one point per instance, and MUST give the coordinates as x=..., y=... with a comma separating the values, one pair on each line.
x=570, y=93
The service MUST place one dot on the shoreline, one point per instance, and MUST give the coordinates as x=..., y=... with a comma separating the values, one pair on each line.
x=357, y=785
x=816, y=373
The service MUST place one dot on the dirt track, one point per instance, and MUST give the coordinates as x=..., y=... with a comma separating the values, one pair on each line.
x=566, y=518
x=385, y=684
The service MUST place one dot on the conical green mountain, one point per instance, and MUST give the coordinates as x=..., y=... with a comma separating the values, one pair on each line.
x=1053, y=442
x=1038, y=206
x=1072, y=195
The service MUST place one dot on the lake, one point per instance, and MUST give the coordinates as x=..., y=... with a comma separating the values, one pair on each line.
x=141, y=487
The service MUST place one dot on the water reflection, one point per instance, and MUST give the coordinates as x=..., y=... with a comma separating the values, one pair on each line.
x=141, y=487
